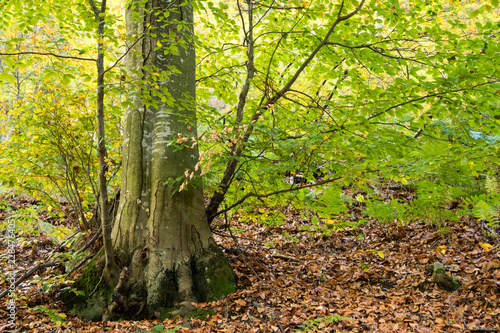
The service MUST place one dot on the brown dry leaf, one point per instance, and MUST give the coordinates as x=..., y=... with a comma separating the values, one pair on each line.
x=240, y=302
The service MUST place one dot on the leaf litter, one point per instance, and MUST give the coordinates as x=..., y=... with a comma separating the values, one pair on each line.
x=303, y=277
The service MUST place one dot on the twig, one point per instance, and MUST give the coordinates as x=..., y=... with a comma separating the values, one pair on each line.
x=282, y=256
x=32, y=271
x=276, y=317
x=478, y=329
x=47, y=54
x=244, y=238
x=251, y=194
x=97, y=285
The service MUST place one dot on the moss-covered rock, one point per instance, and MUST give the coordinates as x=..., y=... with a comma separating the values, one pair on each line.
x=440, y=278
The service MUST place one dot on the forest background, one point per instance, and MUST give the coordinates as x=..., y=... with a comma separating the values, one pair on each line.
x=330, y=109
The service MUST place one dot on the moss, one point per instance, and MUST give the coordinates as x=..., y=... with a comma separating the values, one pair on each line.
x=165, y=313
x=91, y=305
x=90, y=278
x=220, y=278
x=167, y=292
x=201, y=314
x=212, y=274
x=441, y=279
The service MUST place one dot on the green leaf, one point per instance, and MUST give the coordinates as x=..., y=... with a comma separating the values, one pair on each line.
x=476, y=12
x=7, y=77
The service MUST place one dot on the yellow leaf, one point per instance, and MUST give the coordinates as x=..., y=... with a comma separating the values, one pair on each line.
x=158, y=43
x=404, y=181
x=441, y=249
x=486, y=246
x=380, y=254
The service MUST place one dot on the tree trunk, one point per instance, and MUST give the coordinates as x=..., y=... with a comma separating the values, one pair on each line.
x=161, y=232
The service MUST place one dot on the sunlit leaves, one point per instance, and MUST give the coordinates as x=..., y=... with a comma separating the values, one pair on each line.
x=385, y=73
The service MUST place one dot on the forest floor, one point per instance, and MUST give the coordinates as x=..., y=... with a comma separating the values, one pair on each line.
x=300, y=277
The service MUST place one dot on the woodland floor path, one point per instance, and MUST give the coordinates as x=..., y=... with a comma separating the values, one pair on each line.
x=296, y=275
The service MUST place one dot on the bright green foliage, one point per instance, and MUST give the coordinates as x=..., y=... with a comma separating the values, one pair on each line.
x=28, y=222
x=400, y=92
x=48, y=104
x=486, y=207
x=408, y=91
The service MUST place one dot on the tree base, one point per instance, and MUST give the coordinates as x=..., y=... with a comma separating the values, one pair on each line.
x=211, y=274
x=93, y=303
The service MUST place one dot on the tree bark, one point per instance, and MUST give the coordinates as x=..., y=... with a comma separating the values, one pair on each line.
x=161, y=232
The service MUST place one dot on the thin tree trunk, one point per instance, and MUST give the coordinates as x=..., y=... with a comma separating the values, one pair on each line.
x=110, y=269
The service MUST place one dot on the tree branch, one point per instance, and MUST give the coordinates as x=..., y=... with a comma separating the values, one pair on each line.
x=428, y=96
x=47, y=54
x=251, y=194
x=306, y=63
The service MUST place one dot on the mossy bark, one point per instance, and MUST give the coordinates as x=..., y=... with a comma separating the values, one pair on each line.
x=94, y=301
x=161, y=232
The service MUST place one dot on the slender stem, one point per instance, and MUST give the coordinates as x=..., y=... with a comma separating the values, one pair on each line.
x=111, y=268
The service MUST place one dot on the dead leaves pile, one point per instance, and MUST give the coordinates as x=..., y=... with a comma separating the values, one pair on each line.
x=295, y=277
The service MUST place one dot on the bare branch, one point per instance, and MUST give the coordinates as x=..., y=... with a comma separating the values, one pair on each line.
x=47, y=54
x=94, y=8
x=413, y=100
x=122, y=56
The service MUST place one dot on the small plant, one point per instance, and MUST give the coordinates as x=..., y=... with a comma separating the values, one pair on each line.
x=55, y=317
x=331, y=203
x=25, y=220
x=385, y=212
x=290, y=238
x=486, y=207
x=161, y=329
x=320, y=323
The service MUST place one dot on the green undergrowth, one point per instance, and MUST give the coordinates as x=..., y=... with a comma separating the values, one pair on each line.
x=161, y=329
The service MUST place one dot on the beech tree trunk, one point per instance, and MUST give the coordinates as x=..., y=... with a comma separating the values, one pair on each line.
x=161, y=232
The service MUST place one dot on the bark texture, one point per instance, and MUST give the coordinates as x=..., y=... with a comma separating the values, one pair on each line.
x=161, y=233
